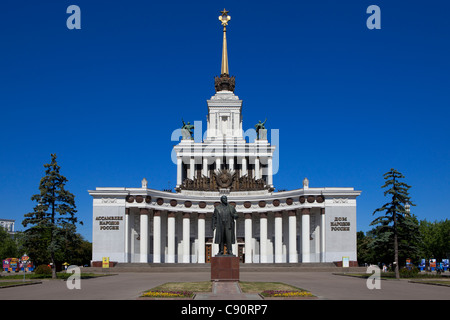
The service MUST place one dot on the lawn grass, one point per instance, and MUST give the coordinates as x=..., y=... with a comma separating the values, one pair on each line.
x=258, y=287
x=178, y=289
x=202, y=286
x=425, y=278
x=443, y=282
x=391, y=275
x=264, y=288
x=274, y=289
x=6, y=284
x=206, y=286
x=59, y=275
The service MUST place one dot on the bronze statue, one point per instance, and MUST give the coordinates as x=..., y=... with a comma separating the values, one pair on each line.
x=259, y=126
x=223, y=222
x=188, y=127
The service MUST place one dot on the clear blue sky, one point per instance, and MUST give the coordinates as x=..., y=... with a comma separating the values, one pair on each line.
x=350, y=103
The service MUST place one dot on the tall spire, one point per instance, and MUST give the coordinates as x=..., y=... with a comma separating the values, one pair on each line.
x=224, y=82
x=224, y=18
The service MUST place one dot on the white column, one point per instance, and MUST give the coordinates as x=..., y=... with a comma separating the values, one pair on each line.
x=278, y=237
x=133, y=239
x=235, y=246
x=257, y=175
x=201, y=238
x=214, y=246
x=179, y=171
x=205, y=167
x=244, y=166
x=305, y=235
x=127, y=235
x=186, y=238
x=293, y=256
x=211, y=126
x=144, y=236
x=171, y=237
x=156, y=236
x=269, y=171
x=231, y=163
x=263, y=237
x=235, y=117
x=218, y=162
x=191, y=168
x=248, y=238
x=322, y=229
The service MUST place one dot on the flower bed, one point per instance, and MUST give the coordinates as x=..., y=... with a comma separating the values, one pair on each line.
x=168, y=294
x=285, y=294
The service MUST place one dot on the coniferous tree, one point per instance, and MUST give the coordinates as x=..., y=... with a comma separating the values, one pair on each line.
x=53, y=218
x=364, y=252
x=435, y=239
x=396, y=225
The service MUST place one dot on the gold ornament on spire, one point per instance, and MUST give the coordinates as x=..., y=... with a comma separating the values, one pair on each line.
x=224, y=18
x=225, y=81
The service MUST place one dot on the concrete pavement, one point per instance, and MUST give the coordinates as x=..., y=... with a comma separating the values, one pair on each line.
x=128, y=286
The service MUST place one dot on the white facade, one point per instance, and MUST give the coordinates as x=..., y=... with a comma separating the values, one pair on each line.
x=303, y=225
x=8, y=225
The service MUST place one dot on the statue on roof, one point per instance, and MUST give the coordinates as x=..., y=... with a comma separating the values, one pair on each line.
x=186, y=130
x=260, y=126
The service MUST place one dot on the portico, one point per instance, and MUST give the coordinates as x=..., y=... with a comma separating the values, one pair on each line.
x=279, y=227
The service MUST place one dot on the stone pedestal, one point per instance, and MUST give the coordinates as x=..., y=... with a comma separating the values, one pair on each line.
x=262, y=134
x=225, y=268
x=185, y=134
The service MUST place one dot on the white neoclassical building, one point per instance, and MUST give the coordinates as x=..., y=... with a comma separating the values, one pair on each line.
x=152, y=226
x=8, y=225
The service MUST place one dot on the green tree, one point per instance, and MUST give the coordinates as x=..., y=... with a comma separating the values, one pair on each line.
x=81, y=253
x=7, y=245
x=53, y=219
x=11, y=245
x=395, y=228
x=435, y=239
x=365, y=254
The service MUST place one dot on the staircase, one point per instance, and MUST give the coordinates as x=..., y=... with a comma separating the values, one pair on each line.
x=244, y=267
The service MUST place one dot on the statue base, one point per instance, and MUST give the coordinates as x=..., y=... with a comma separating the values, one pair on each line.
x=225, y=268
x=262, y=134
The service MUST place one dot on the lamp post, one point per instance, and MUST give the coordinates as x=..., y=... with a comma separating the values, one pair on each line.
x=407, y=208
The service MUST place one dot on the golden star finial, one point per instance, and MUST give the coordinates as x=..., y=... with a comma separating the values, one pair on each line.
x=224, y=18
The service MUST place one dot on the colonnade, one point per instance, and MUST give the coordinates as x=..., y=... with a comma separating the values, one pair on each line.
x=184, y=251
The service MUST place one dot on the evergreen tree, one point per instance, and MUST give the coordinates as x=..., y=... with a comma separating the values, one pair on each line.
x=364, y=252
x=396, y=229
x=435, y=239
x=53, y=219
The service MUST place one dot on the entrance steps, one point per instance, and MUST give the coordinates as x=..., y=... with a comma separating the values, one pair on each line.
x=244, y=267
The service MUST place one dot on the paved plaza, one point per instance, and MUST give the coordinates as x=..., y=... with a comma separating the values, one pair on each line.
x=128, y=286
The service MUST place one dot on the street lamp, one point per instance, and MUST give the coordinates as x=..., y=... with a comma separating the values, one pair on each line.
x=407, y=208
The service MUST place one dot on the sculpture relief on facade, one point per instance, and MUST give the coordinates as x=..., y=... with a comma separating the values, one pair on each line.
x=224, y=179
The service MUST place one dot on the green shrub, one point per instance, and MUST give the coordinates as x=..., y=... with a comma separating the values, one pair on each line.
x=43, y=269
x=405, y=273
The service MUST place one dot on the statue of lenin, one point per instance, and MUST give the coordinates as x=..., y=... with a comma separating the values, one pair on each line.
x=223, y=222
